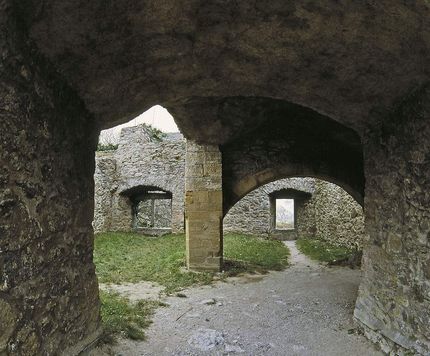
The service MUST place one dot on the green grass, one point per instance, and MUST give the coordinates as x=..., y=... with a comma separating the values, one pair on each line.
x=128, y=257
x=119, y=316
x=322, y=251
x=244, y=253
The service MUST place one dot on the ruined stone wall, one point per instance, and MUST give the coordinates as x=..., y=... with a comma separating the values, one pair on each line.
x=394, y=296
x=306, y=144
x=105, y=177
x=155, y=213
x=252, y=215
x=162, y=213
x=139, y=161
x=48, y=288
x=337, y=217
x=330, y=213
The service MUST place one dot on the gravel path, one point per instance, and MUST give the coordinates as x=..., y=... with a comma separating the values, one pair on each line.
x=304, y=310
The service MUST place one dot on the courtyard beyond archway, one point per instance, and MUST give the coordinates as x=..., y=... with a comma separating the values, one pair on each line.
x=303, y=310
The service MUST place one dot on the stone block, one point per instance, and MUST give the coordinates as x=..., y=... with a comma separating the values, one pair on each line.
x=212, y=169
x=203, y=208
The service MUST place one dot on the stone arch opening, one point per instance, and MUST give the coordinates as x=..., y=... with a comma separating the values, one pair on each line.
x=270, y=139
x=65, y=74
x=322, y=210
x=290, y=141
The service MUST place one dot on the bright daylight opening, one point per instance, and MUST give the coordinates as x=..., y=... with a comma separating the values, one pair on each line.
x=284, y=214
x=157, y=116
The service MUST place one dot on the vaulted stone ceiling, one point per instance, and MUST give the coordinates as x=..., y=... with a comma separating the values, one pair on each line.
x=349, y=60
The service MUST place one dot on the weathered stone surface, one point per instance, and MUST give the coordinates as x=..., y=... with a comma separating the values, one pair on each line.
x=291, y=141
x=8, y=320
x=139, y=162
x=105, y=178
x=394, y=297
x=339, y=219
x=345, y=60
x=203, y=207
x=206, y=340
x=154, y=213
x=48, y=288
x=328, y=213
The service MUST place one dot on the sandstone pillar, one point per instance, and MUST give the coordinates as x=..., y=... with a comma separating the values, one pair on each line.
x=49, y=301
x=203, y=207
x=393, y=304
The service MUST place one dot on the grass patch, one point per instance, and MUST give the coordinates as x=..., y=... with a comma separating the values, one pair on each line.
x=323, y=251
x=128, y=257
x=119, y=316
x=244, y=253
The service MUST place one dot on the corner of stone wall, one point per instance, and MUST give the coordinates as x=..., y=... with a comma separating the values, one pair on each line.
x=386, y=345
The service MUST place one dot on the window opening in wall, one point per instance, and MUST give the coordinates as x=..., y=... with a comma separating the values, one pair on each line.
x=284, y=214
x=153, y=210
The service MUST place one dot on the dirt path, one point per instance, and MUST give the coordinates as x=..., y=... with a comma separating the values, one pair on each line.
x=304, y=310
x=300, y=261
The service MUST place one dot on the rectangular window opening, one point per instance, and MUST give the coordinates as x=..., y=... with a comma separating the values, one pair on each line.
x=284, y=214
x=153, y=213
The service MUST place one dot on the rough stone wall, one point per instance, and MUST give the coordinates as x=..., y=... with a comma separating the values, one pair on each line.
x=175, y=50
x=145, y=211
x=155, y=213
x=252, y=215
x=48, y=288
x=394, y=296
x=105, y=180
x=306, y=221
x=330, y=213
x=162, y=213
x=338, y=218
x=139, y=161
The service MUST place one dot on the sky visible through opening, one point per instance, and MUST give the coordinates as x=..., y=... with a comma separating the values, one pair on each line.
x=157, y=117
x=284, y=214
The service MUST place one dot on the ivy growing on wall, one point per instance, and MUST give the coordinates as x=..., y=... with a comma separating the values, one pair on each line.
x=155, y=133
x=106, y=146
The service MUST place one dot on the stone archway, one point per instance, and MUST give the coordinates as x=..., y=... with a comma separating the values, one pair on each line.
x=290, y=141
x=320, y=210
x=67, y=71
